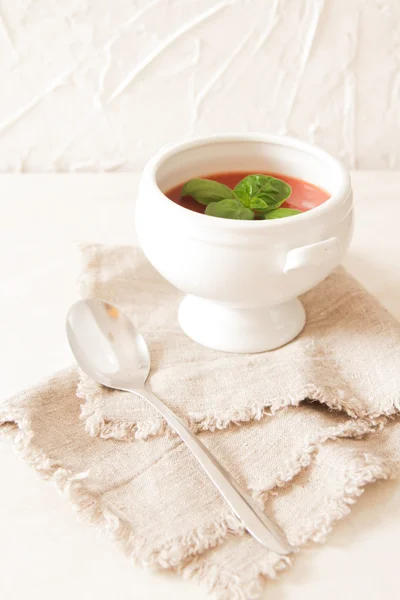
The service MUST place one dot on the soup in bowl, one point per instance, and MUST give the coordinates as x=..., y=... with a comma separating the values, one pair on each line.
x=303, y=196
x=242, y=278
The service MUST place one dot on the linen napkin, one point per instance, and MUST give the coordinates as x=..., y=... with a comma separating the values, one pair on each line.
x=347, y=357
x=304, y=463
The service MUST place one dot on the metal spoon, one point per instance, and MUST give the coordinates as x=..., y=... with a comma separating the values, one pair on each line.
x=109, y=350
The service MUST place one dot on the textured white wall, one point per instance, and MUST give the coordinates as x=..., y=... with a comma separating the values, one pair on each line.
x=101, y=84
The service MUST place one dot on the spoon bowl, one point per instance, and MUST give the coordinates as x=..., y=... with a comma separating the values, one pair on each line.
x=107, y=345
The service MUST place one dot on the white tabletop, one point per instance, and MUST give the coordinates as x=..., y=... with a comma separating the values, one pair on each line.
x=45, y=552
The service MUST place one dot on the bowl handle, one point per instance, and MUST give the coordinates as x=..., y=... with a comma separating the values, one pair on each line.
x=328, y=251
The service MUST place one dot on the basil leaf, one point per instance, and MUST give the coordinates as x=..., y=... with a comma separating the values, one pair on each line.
x=229, y=209
x=258, y=204
x=242, y=196
x=279, y=213
x=271, y=190
x=206, y=190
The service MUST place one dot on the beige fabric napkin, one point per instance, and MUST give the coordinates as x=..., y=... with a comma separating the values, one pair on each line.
x=305, y=464
x=347, y=356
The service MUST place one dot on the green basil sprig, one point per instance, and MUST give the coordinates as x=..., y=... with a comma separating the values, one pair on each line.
x=255, y=196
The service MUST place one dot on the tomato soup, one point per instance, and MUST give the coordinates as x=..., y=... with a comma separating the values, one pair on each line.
x=304, y=196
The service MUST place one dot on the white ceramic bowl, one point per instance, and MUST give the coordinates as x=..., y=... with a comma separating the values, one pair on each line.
x=242, y=278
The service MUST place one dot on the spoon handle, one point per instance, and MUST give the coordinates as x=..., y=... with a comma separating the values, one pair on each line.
x=252, y=517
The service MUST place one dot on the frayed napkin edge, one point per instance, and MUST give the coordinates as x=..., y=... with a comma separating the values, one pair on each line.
x=97, y=424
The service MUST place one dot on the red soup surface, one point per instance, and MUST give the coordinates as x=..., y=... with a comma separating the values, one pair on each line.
x=304, y=196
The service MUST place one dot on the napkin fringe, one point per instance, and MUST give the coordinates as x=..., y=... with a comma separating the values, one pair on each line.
x=302, y=459
x=365, y=468
x=177, y=553
x=98, y=424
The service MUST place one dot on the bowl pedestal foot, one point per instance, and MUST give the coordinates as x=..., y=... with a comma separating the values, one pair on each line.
x=241, y=330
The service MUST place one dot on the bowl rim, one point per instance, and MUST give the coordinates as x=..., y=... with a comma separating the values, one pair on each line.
x=149, y=178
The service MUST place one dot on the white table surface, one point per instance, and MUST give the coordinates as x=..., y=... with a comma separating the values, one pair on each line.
x=45, y=552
